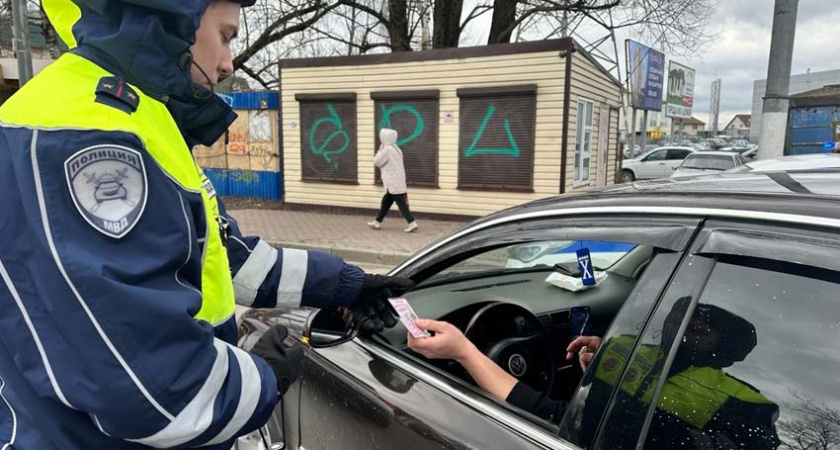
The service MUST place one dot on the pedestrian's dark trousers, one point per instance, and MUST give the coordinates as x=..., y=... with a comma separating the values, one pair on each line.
x=402, y=202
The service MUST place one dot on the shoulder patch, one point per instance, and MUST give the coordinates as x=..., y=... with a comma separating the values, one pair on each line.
x=115, y=92
x=109, y=187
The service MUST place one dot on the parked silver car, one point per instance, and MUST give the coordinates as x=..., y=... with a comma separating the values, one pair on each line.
x=708, y=162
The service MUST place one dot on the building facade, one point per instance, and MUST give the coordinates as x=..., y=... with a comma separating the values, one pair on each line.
x=739, y=126
x=482, y=129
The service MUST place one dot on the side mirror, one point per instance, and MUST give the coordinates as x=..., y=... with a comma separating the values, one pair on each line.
x=330, y=327
x=579, y=319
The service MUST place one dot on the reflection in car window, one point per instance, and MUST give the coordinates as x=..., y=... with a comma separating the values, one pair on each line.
x=542, y=254
x=757, y=362
x=588, y=406
x=631, y=371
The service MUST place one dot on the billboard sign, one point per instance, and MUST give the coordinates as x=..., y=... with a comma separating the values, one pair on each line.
x=680, y=98
x=715, y=105
x=646, y=70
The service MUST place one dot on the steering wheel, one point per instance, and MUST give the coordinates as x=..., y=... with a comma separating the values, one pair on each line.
x=516, y=340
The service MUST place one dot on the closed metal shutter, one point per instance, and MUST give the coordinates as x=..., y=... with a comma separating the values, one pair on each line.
x=328, y=137
x=415, y=116
x=496, y=142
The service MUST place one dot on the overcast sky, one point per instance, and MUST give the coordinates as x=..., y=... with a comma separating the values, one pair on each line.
x=739, y=54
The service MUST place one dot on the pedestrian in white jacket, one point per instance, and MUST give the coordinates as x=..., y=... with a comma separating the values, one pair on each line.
x=389, y=160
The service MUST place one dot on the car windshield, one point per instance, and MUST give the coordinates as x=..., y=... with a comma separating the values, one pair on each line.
x=709, y=162
x=535, y=256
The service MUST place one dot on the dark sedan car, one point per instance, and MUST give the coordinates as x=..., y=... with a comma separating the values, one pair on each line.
x=718, y=302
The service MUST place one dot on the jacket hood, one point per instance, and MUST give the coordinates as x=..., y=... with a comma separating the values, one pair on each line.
x=388, y=136
x=147, y=43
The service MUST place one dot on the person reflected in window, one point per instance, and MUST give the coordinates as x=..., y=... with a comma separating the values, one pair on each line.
x=700, y=405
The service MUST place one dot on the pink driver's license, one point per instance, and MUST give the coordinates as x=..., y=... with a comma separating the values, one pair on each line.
x=407, y=317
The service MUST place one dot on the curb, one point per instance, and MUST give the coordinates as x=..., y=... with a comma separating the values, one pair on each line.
x=348, y=254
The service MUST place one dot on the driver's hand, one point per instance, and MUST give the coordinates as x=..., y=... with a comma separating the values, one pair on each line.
x=448, y=341
x=585, y=347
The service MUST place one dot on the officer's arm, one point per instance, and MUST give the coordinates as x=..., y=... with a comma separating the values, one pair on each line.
x=267, y=277
x=106, y=320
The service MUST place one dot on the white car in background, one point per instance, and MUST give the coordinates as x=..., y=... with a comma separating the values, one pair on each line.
x=658, y=163
x=705, y=162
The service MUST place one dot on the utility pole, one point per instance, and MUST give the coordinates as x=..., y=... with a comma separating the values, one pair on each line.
x=774, y=116
x=21, y=44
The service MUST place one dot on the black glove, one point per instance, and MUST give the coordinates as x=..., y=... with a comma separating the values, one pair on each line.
x=284, y=359
x=372, y=309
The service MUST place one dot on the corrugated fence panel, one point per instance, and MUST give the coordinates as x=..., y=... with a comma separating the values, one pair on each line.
x=246, y=183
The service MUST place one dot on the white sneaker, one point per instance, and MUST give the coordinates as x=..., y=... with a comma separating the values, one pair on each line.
x=411, y=227
x=375, y=224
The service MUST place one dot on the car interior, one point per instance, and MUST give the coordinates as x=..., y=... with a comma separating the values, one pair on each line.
x=518, y=299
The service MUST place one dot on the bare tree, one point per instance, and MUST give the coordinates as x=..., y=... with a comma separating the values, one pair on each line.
x=47, y=29
x=816, y=426
x=269, y=22
x=508, y=15
x=675, y=26
x=447, y=19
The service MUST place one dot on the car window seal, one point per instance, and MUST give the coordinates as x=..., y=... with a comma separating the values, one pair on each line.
x=672, y=353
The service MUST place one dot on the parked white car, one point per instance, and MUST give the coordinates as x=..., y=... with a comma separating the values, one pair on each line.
x=706, y=162
x=659, y=163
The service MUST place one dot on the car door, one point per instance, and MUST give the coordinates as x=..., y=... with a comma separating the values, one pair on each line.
x=739, y=350
x=369, y=394
x=652, y=165
x=363, y=395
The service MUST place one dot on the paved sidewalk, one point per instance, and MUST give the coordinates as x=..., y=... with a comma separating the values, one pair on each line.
x=347, y=236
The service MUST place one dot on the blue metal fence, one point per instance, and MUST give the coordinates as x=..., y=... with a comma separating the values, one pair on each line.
x=811, y=128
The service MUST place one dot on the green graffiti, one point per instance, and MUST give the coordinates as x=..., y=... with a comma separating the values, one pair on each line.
x=322, y=149
x=245, y=176
x=386, y=121
x=513, y=150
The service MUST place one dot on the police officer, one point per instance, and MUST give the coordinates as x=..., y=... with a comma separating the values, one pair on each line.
x=119, y=267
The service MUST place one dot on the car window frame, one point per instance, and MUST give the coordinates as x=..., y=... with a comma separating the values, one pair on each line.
x=670, y=232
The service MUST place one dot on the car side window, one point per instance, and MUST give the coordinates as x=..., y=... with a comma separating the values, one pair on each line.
x=756, y=363
x=678, y=154
x=658, y=155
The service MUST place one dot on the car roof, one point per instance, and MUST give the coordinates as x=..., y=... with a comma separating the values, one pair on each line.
x=797, y=162
x=803, y=193
x=675, y=147
x=714, y=152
